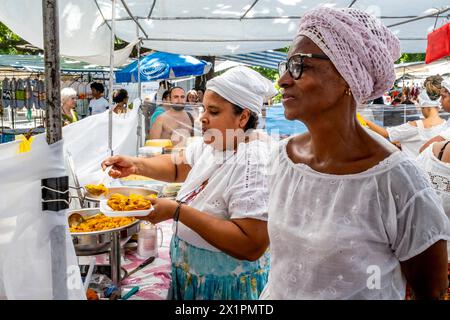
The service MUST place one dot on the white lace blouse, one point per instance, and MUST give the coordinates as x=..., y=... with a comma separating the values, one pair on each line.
x=439, y=174
x=412, y=137
x=343, y=236
x=236, y=188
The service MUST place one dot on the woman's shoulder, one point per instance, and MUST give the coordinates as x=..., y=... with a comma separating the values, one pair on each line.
x=406, y=174
x=437, y=147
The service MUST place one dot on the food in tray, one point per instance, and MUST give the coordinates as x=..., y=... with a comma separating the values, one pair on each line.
x=101, y=222
x=96, y=189
x=119, y=202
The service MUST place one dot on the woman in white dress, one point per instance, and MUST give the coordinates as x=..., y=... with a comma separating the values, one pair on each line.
x=412, y=135
x=218, y=250
x=436, y=161
x=445, y=103
x=350, y=217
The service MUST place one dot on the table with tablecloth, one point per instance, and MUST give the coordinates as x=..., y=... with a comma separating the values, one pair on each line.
x=154, y=279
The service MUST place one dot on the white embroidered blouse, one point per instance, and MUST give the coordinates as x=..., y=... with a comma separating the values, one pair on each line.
x=236, y=187
x=343, y=236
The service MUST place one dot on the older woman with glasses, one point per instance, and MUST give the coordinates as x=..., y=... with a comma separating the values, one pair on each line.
x=350, y=217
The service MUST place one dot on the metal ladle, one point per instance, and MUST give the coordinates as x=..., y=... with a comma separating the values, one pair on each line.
x=75, y=219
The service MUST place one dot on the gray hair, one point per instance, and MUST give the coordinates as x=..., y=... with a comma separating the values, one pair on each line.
x=66, y=94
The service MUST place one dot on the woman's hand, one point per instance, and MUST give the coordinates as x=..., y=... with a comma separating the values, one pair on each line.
x=122, y=166
x=163, y=210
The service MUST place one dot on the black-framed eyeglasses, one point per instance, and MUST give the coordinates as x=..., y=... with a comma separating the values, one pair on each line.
x=295, y=64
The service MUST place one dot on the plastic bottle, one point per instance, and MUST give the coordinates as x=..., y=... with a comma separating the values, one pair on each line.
x=147, y=240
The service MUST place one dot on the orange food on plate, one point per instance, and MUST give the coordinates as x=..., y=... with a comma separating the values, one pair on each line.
x=119, y=202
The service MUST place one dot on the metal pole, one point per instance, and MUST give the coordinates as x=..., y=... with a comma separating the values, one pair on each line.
x=139, y=126
x=115, y=259
x=54, y=134
x=111, y=78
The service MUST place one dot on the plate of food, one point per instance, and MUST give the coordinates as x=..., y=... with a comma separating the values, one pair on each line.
x=131, y=205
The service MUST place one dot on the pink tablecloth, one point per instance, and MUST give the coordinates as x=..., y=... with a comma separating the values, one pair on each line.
x=153, y=280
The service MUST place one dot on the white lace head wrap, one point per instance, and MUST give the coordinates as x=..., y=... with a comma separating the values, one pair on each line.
x=361, y=48
x=426, y=102
x=446, y=84
x=243, y=87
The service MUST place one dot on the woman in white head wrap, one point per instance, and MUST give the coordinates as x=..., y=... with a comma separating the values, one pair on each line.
x=444, y=85
x=219, y=247
x=350, y=216
x=412, y=135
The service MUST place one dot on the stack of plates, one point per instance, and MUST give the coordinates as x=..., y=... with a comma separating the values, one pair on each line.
x=171, y=190
x=148, y=152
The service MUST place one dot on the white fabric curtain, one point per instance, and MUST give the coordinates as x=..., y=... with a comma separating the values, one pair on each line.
x=87, y=141
x=28, y=258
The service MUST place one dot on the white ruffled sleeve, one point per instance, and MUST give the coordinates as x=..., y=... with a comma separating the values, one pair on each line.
x=421, y=223
x=402, y=132
x=248, y=192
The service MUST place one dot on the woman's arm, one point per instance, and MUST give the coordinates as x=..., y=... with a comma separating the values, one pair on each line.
x=169, y=168
x=434, y=139
x=378, y=129
x=244, y=239
x=426, y=273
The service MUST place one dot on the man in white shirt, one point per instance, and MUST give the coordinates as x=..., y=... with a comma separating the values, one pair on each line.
x=98, y=104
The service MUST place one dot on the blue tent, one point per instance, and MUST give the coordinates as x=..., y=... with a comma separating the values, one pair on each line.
x=163, y=65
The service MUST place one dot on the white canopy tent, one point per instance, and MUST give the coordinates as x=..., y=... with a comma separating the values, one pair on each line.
x=421, y=70
x=206, y=27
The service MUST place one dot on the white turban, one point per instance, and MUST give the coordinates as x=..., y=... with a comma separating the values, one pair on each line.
x=446, y=84
x=243, y=87
x=426, y=102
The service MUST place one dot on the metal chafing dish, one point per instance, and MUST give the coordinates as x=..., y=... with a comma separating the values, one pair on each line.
x=104, y=241
x=107, y=241
x=98, y=242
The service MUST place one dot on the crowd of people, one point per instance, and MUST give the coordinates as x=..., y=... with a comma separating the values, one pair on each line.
x=338, y=212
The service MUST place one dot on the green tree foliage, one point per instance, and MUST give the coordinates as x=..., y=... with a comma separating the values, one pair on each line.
x=10, y=43
x=411, y=57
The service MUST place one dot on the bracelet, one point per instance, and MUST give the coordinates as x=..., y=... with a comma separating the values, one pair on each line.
x=176, y=214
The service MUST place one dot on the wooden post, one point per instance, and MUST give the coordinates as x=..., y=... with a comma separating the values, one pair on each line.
x=54, y=134
x=52, y=71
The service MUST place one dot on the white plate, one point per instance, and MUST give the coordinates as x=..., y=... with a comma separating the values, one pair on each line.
x=107, y=211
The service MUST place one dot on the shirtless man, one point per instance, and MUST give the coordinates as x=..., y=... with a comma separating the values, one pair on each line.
x=175, y=124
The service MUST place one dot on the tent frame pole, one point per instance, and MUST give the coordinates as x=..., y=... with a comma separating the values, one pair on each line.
x=111, y=78
x=139, y=126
